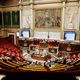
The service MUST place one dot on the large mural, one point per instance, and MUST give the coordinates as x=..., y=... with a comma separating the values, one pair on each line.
x=48, y=18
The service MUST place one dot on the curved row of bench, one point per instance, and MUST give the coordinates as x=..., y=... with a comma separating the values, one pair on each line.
x=22, y=65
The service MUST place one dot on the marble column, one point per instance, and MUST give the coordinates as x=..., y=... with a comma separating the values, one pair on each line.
x=79, y=15
x=32, y=18
x=20, y=9
x=63, y=16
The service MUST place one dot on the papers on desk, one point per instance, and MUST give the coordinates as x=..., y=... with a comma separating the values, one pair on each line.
x=55, y=35
x=41, y=34
x=47, y=35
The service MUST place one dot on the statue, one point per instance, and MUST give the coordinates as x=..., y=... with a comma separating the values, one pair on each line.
x=70, y=25
x=72, y=17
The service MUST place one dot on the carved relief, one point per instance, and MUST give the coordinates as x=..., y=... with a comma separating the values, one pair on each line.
x=26, y=18
x=71, y=18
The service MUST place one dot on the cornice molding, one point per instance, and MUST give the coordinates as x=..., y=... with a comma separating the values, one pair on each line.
x=37, y=3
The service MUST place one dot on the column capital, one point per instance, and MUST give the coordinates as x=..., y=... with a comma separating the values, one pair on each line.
x=32, y=6
x=20, y=7
x=64, y=3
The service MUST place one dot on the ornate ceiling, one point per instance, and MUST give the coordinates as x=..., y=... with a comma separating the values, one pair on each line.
x=7, y=2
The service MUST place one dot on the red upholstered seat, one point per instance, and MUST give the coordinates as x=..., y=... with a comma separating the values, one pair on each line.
x=1, y=49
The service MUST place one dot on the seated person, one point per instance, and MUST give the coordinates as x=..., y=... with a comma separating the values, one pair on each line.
x=78, y=56
x=44, y=53
x=67, y=59
x=36, y=51
x=2, y=57
x=74, y=57
x=7, y=57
